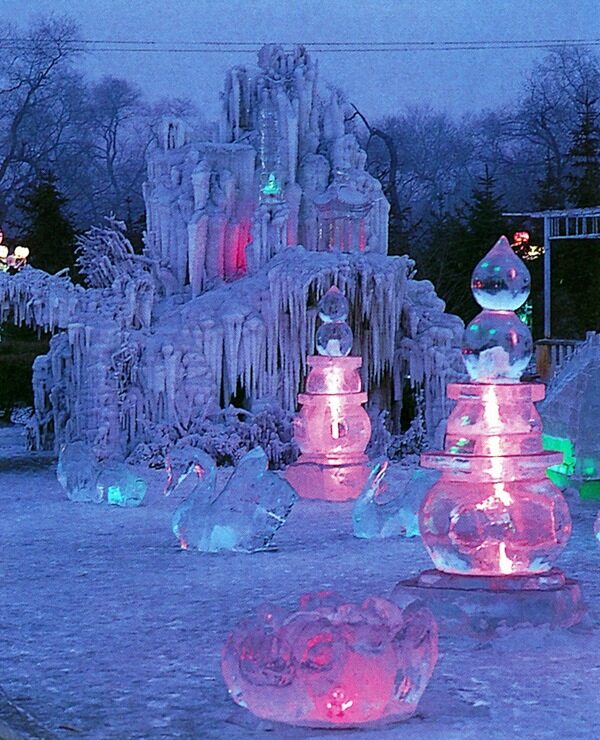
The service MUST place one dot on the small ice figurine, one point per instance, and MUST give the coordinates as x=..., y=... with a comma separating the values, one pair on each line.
x=334, y=336
x=77, y=472
x=244, y=516
x=497, y=346
x=388, y=505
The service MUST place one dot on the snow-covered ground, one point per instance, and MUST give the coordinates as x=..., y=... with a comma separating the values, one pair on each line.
x=109, y=630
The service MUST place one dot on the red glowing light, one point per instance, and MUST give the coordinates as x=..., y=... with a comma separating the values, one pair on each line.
x=520, y=238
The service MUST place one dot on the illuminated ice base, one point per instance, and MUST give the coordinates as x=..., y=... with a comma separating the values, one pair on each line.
x=332, y=664
x=332, y=430
x=479, y=606
x=331, y=481
x=493, y=511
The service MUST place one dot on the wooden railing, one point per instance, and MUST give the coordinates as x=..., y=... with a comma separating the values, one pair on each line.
x=550, y=354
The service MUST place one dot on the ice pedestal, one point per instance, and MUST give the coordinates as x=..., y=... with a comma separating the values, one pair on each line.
x=332, y=430
x=479, y=606
x=332, y=664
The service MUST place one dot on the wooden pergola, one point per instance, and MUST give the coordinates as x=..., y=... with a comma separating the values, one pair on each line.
x=571, y=223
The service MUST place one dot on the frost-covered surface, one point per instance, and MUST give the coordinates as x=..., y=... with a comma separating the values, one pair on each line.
x=109, y=628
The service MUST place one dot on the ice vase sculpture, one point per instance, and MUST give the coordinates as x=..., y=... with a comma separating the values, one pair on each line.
x=332, y=664
x=494, y=523
x=494, y=511
x=332, y=429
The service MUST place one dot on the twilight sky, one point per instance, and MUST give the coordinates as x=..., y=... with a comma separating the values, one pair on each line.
x=378, y=82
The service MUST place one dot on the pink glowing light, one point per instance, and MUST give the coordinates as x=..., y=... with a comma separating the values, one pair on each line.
x=332, y=664
x=494, y=512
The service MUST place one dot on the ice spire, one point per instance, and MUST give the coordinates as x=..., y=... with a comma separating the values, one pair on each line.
x=334, y=337
x=497, y=345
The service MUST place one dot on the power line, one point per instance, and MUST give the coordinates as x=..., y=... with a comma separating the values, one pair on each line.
x=202, y=47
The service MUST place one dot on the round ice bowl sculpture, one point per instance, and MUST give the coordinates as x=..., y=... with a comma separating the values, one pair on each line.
x=497, y=346
x=332, y=664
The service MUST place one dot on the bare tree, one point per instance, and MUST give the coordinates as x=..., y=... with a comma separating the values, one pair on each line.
x=35, y=70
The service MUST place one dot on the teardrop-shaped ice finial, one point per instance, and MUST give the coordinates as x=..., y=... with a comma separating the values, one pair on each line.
x=333, y=306
x=501, y=281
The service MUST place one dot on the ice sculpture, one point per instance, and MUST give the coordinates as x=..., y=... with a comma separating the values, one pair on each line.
x=334, y=336
x=497, y=345
x=84, y=479
x=332, y=664
x=118, y=484
x=570, y=414
x=243, y=517
x=77, y=472
x=332, y=429
x=388, y=505
x=494, y=512
x=218, y=304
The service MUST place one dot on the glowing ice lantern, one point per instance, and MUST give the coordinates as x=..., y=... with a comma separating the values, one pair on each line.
x=332, y=429
x=332, y=664
x=494, y=512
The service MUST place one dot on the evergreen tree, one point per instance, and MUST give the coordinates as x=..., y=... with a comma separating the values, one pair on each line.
x=550, y=192
x=584, y=156
x=49, y=236
x=485, y=223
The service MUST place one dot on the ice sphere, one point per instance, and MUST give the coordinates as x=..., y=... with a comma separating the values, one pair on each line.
x=77, y=471
x=333, y=306
x=334, y=339
x=501, y=280
x=332, y=664
x=119, y=484
x=497, y=346
x=244, y=516
x=388, y=505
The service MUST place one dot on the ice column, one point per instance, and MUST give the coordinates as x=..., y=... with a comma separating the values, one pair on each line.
x=493, y=511
x=333, y=428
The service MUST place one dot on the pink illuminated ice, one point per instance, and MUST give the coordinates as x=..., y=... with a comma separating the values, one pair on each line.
x=494, y=511
x=332, y=664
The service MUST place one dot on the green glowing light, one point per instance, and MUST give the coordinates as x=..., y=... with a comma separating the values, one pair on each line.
x=497, y=268
x=485, y=264
x=590, y=489
x=462, y=442
x=474, y=327
x=492, y=331
x=271, y=187
x=114, y=495
x=465, y=421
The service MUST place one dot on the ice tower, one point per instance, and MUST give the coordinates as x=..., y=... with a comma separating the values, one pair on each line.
x=333, y=428
x=494, y=521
